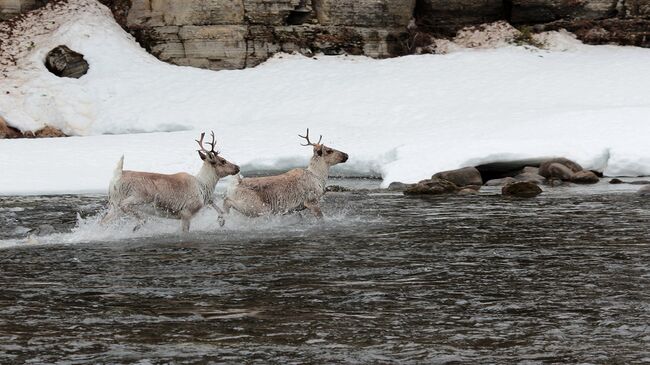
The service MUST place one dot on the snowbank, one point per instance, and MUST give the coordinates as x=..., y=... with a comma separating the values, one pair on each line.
x=402, y=118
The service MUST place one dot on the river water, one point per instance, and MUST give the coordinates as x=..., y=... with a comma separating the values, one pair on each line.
x=562, y=278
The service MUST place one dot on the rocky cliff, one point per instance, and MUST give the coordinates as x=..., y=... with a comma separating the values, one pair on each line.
x=231, y=34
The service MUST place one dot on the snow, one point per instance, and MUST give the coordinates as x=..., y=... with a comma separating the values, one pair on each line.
x=402, y=119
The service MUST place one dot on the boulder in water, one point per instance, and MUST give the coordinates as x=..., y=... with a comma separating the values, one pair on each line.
x=521, y=189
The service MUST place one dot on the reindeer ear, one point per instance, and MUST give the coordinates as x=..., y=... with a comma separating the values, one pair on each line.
x=202, y=155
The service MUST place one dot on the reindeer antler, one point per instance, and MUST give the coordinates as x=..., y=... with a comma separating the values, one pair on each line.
x=200, y=142
x=308, y=141
x=212, y=144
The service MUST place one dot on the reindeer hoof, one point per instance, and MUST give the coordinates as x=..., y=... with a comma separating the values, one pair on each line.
x=137, y=227
x=221, y=221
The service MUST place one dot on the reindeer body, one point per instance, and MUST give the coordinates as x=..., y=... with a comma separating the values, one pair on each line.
x=295, y=190
x=178, y=196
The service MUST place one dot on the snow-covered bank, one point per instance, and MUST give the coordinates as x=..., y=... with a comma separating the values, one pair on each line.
x=403, y=118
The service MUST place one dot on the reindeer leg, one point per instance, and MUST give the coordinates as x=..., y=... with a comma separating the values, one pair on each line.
x=185, y=221
x=109, y=216
x=314, y=208
x=227, y=204
x=128, y=207
x=220, y=218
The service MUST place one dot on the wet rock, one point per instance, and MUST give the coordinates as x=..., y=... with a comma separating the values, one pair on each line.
x=559, y=172
x=64, y=62
x=616, y=181
x=645, y=190
x=462, y=177
x=399, y=186
x=530, y=170
x=336, y=189
x=433, y=186
x=640, y=182
x=521, y=189
x=584, y=177
x=500, y=182
x=468, y=191
x=530, y=177
x=559, y=168
x=556, y=182
x=8, y=132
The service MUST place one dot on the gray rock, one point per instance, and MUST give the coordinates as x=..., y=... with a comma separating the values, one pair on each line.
x=500, y=182
x=462, y=177
x=585, y=177
x=530, y=170
x=235, y=34
x=64, y=62
x=530, y=177
x=558, y=171
x=399, y=186
x=559, y=168
x=433, y=186
x=640, y=182
x=366, y=13
x=521, y=189
x=644, y=190
x=468, y=191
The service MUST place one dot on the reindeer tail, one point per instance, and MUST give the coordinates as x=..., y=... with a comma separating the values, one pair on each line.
x=117, y=175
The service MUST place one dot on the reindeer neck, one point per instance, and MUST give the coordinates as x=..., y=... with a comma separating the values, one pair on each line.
x=207, y=178
x=319, y=168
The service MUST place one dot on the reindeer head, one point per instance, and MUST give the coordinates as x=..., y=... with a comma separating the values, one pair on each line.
x=221, y=167
x=329, y=155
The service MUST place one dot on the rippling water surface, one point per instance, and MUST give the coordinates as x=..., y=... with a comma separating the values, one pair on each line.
x=563, y=278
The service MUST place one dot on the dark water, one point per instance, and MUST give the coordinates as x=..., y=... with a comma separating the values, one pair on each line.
x=563, y=278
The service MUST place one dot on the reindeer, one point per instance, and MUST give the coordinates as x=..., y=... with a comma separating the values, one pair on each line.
x=295, y=190
x=178, y=196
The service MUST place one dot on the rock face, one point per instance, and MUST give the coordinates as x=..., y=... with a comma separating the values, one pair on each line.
x=9, y=8
x=64, y=62
x=521, y=189
x=543, y=11
x=465, y=176
x=231, y=34
x=447, y=17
